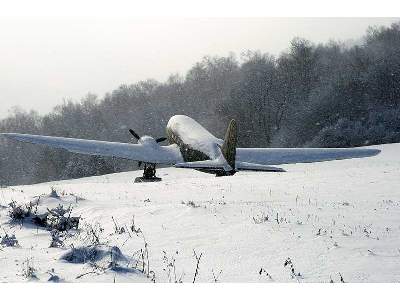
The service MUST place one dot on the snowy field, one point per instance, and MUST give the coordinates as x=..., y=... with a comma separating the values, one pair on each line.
x=337, y=220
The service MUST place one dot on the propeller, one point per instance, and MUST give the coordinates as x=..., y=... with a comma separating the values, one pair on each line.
x=134, y=134
x=161, y=139
x=158, y=140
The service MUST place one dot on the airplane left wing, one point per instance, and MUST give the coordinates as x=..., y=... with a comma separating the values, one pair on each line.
x=278, y=156
x=148, y=152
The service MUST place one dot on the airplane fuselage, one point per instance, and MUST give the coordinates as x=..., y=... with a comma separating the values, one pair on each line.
x=194, y=141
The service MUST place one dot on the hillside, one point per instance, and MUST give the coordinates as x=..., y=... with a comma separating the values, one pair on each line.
x=328, y=218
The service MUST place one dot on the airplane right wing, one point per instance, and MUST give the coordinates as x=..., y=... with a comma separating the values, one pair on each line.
x=150, y=153
x=278, y=156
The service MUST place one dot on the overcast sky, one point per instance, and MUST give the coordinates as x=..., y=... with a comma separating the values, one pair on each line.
x=44, y=61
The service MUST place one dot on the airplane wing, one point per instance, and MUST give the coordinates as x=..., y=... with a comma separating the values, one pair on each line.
x=150, y=153
x=278, y=156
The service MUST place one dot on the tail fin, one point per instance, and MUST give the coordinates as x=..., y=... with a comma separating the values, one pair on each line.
x=229, y=147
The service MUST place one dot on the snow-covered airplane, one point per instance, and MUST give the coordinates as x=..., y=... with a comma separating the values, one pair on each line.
x=192, y=146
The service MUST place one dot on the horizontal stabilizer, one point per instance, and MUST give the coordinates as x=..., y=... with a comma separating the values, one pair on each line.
x=243, y=166
x=216, y=165
x=210, y=165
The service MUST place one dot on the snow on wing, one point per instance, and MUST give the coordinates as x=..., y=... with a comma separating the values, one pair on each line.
x=146, y=153
x=278, y=156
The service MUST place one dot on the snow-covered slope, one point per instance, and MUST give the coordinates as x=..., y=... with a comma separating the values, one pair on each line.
x=328, y=218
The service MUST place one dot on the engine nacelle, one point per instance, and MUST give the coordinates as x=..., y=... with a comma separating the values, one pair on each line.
x=148, y=141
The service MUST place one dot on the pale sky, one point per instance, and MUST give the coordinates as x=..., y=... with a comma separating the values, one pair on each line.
x=45, y=60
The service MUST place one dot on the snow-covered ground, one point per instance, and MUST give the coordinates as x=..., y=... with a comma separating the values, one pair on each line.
x=329, y=218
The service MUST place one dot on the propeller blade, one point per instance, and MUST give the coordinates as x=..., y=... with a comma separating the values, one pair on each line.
x=134, y=134
x=161, y=139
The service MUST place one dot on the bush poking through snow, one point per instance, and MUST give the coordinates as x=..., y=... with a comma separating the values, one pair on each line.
x=118, y=229
x=264, y=272
x=216, y=276
x=143, y=253
x=97, y=252
x=100, y=257
x=198, y=258
x=53, y=276
x=19, y=213
x=191, y=203
x=134, y=229
x=57, y=239
x=53, y=193
x=116, y=257
x=9, y=241
x=288, y=263
x=28, y=270
x=58, y=218
x=81, y=255
x=170, y=268
x=92, y=234
x=262, y=218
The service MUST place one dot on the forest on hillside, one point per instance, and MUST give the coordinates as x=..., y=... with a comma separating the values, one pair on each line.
x=311, y=95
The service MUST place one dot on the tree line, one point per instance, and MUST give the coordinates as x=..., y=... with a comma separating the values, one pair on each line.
x=311, y=95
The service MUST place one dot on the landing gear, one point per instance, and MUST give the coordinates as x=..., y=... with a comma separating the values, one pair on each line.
x=149, y=174
x=224, y=173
